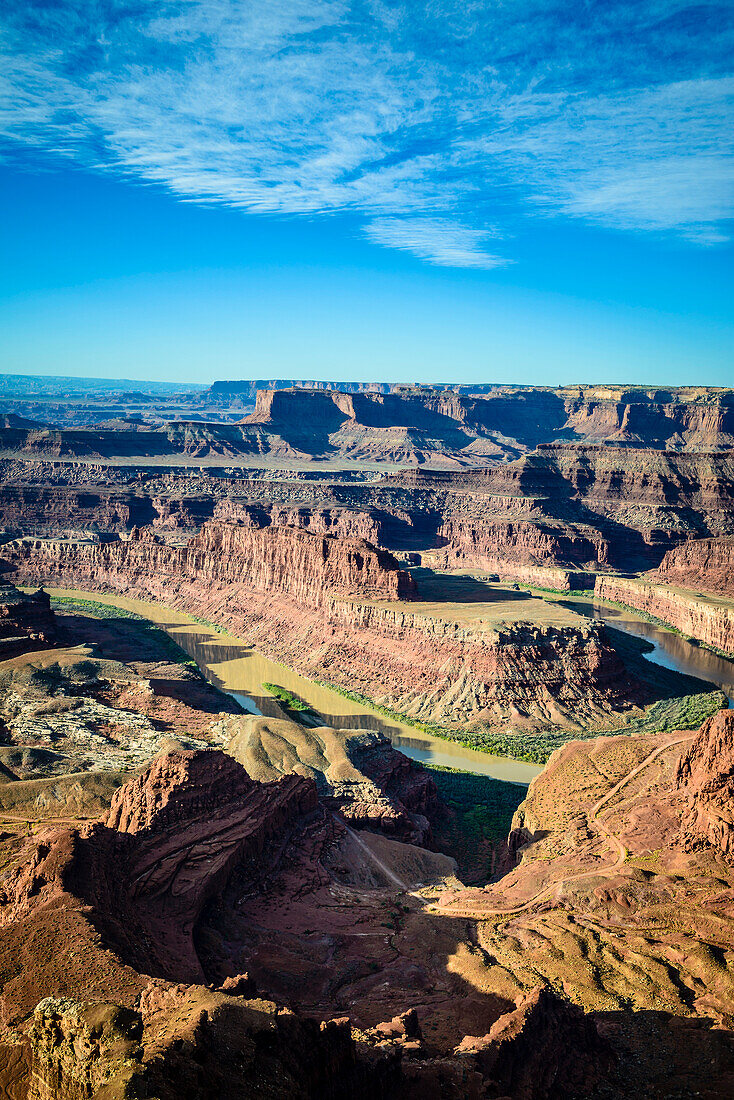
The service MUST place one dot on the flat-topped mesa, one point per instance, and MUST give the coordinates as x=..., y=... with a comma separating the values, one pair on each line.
x=294, y=607
x=306, y=567
x=706, y=564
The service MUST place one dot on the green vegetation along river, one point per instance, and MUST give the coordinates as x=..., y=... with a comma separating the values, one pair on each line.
x=234, y=666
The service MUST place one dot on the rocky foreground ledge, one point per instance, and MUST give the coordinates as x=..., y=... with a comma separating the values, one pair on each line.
x=594, y=968
x=112, y=918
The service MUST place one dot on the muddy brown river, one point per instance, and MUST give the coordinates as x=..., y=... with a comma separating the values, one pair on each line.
x=671, y=650
x=233, y=665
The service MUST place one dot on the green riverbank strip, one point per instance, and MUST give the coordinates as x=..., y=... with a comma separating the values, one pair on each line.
x=672, y=710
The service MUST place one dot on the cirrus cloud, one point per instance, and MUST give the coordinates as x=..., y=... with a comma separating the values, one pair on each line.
x=438, y=128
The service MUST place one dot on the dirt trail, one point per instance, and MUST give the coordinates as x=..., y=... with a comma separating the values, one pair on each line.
x=377, y=861
x=622, y=852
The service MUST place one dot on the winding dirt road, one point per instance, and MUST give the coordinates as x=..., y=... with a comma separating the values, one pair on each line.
x=593, y=816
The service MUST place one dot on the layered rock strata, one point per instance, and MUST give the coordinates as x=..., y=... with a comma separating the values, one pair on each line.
x=706, y=564
x=616, y=899
x=102, y=907
x=607, y=846
x=189, y=820
x=26, y=621
x=709, y=620
x=284, y=595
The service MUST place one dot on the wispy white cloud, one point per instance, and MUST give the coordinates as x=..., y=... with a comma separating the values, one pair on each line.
x=434, y=128
x=445, y=243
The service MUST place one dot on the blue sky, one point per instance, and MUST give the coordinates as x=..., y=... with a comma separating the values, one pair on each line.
x=515, y=190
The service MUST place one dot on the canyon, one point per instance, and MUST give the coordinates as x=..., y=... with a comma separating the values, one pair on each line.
x=275, y=922
x=212, y=886
x=342, y=611
x=705, y=618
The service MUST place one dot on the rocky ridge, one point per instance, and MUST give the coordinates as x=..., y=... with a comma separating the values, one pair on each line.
x=705, y=776
x=357, y=773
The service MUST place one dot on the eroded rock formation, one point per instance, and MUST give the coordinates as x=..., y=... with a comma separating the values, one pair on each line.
x=705, y=776
x=301, y=565
x=706, y=564
x=26, y=621
x=421, y=664
x=360, y=774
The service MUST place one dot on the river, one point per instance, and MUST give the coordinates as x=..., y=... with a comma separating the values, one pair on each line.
x=671, y=650
x=233, y=665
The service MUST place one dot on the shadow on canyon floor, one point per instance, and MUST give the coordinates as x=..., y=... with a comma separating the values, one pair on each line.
x=461, y=588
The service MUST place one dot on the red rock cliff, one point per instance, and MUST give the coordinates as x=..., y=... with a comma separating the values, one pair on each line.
x=169, y=843
x=710, y=622
x=299, y=564
x=706, y=776
x=421, y=665
x=701, y=563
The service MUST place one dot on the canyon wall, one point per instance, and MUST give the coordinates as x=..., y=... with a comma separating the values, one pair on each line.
x=446, y=427
x=302, y=610
x=284, y=560
x=706, y=564
x=568, y=505
x=694, y=420
x=708, y=621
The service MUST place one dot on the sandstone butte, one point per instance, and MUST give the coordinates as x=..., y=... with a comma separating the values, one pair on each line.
x=408, y=424
x=336, y=609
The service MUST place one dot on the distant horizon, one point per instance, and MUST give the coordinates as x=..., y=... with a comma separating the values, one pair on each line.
x=111, y=380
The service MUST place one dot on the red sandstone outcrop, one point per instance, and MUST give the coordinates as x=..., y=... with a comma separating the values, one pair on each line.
x=575, y=915
x=706, y=564
x=708, y=620
x=419, y=664
x=170, y=841
x=188, y=1042
x=26, y=621
x=705, y=775
x=194, y=817
x=679, y=420
x=307, y=567
x=84, y=1050
x=526, y=1052
x=617, y=837
x=450, y=427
